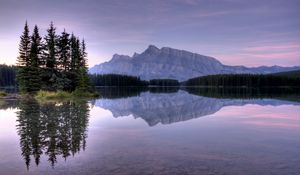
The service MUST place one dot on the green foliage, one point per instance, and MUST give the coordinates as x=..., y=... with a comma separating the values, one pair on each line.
x=24, y=47
x=64, y=51
x=83, y=80
x=49, y=95
x=62, y=95
x=50, y=47
x=3, y=94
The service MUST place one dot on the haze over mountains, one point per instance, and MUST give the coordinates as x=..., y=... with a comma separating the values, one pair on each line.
x=169, y=63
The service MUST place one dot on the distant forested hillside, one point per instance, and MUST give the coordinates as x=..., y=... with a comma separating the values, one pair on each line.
x=7, y=75
x=116, y=80
x=246, y=80
x=290, y=74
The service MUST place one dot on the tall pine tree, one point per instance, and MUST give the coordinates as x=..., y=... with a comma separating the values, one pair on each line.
x=64, y=51
x=34, y=80
x=83, y=83
x=23, y=60
x=51, y=47
x=24, y=47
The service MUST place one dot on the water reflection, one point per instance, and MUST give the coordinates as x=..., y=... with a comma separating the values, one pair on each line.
x=59, y=129
x=53, y=129
x=167, y=108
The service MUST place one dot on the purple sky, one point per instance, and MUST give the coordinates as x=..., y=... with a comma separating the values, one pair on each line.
x=237, y=32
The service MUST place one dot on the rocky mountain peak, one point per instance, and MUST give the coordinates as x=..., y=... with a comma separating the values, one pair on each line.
x=152, y=50
x=117, y=57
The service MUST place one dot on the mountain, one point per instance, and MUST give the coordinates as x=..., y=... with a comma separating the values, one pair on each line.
x=169, y=63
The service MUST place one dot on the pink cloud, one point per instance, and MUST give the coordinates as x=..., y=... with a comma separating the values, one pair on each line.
x=288, y=55
x=273, y=47
x=285, y=54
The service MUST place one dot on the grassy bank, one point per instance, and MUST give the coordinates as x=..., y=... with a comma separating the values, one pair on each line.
x=3, y=94
x=61, y=95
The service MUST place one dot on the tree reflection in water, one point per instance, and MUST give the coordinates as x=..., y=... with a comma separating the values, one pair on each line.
x=53, y=129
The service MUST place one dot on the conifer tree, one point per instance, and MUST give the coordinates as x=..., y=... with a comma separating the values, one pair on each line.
x=35, y=49
x=51, y=47
x=24, y=47
x=83, y=83
x=64, y=51
x=74, y=52
x=83, y=54
x=34, y=61
x=23, y=60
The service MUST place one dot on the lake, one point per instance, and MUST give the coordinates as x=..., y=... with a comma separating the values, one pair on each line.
x=156, y=131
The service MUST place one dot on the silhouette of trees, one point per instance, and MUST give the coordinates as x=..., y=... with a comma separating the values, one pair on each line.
x=116, y=80
x=58, y=62
x=246, y=80
x=7, y=75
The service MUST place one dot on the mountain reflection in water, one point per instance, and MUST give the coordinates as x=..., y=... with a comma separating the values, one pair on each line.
x=168, y=106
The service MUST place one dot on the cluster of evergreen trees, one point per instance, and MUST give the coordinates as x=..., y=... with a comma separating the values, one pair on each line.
x=247, y=80
x=55, y=62
x=7, y=75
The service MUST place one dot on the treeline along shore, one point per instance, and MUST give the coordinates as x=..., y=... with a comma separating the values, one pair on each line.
x=286, y=79
x=282, y=79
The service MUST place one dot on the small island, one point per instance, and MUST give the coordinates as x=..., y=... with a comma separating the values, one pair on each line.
x=54, y=66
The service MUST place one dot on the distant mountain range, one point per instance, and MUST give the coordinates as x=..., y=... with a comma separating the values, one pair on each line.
x=169, y=63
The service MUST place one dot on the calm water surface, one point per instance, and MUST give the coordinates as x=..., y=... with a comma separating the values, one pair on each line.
x=151, y=133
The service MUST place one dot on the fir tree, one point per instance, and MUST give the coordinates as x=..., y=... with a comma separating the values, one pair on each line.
x=64, y=51
x=33, y=80
x=24, y=47
x=51, y=47
x=74, y=52
x=83, y=54
x=35, y=49
x=23, y=60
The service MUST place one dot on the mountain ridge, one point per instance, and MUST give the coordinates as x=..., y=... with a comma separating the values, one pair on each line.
x=169, y=63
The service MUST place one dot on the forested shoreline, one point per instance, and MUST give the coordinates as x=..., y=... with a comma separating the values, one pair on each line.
x=244, y=80
x=8, y=79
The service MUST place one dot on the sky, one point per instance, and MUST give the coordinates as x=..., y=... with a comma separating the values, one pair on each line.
x=236, y=32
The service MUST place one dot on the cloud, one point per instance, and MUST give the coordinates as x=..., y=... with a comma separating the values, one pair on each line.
x=273, y=48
